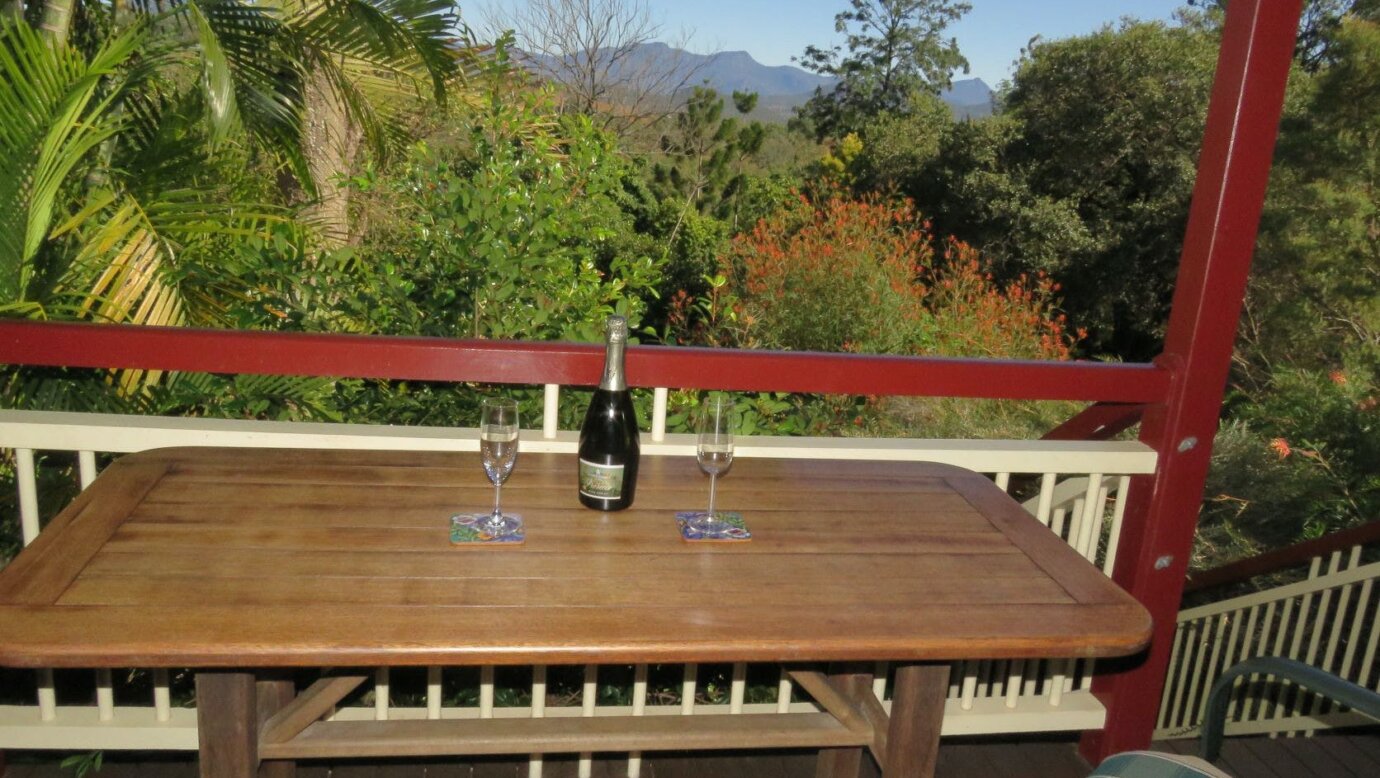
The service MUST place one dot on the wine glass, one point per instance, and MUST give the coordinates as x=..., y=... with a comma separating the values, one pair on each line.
x=714, y=451
x=498, y=448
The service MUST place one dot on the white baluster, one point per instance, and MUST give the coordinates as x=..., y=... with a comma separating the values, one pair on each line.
x=26, y=477
x=639, y=708
x=1090, y=527
x=659, y=395
x=1280, y=636
x=1253, y=707
x=1210, y=670
x=1014, y=682
x=551, y=411
x=588, y=698
x=486, y=692
x=687, y=689
x=1047, y=484
x=433, y=692
x=538, y=711
x=381, y=694
x=86, y=467
x=737, y=689
x=1123, y=487
x=1252, y=614
x=783, y=692
x=1189, y=654
x=105, y=695
x=1357, y=621
x=969, y=685
x=162, y=696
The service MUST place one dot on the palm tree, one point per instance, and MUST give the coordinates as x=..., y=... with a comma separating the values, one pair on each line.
x=118, y=158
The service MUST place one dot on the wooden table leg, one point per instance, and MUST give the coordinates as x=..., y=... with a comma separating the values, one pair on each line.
x=227, y=720
x=917, y=713
x=844, y=762
x=273, y=693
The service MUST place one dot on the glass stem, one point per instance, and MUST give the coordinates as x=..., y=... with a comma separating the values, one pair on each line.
x=497, y=515
x=713, y=478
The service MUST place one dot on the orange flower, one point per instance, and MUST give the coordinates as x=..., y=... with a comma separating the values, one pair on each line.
x=1337, y=377
x=1281, y=447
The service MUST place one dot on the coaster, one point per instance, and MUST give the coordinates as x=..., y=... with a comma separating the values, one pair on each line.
x=465, y=531
x=736, y=532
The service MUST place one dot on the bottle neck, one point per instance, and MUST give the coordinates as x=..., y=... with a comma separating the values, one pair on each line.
x=614, y=380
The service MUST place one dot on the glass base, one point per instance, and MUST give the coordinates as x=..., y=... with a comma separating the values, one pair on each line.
x=722, y=526
x=709, y=524
x=504, y=524
x=468, y=528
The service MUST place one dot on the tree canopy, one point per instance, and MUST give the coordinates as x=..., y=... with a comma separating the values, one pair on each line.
x=895, y=53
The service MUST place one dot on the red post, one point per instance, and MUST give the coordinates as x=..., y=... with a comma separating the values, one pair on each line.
x=1233, y=170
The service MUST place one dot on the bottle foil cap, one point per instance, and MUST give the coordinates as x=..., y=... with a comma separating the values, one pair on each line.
x=616, y=329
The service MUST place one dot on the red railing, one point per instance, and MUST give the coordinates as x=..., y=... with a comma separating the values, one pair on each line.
x=1282, y=558
x=489, y=361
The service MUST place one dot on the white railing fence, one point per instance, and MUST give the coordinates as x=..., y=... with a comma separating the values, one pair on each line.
x=1329, y=620
x=1077, y=489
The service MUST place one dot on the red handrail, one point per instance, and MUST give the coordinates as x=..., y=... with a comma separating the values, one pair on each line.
x=490, y=361
x=1282, y=558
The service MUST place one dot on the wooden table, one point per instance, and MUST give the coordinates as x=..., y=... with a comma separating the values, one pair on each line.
x=239, y=561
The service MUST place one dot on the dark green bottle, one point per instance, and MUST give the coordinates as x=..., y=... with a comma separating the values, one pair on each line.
x=609, y=447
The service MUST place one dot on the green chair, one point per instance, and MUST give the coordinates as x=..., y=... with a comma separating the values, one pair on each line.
x=1149, y=764
x=1153, y=764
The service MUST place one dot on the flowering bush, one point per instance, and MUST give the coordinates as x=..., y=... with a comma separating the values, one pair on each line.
x=863, y=275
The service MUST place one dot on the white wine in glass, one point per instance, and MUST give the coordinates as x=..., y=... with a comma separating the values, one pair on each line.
x=498, y=449
x=714, y=451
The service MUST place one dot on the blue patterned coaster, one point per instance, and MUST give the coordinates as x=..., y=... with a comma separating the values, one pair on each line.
x=737, y=528
x=465, y=530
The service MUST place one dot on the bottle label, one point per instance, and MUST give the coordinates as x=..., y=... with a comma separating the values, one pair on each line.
x=603, y=482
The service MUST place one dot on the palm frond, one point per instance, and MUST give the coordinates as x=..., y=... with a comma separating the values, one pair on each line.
x=399, y=35
x=61, y=389
x=217, y=79
x=55, y=108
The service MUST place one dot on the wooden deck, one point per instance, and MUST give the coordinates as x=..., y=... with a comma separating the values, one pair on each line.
x=1325, y=756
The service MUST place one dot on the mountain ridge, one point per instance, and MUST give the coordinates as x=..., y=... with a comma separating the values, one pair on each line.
x=780, y=88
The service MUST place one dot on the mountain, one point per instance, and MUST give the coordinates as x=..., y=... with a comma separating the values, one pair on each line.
x=780, y=88
x=970, y=98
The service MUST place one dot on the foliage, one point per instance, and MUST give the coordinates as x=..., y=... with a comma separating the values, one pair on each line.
x=958, y=175
x=895, y=53
x=705, y=153
x=83, y=764
x=1317, y=25
x=1307, y=364
x=509, y=234
x=1315, y=295
x=85, y=230
x=138, y=152
x=1325, y=425
x=864, y=275
x=1110, y=123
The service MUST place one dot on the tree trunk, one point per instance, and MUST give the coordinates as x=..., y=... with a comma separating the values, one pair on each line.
x=57, y=19
x=332, y=143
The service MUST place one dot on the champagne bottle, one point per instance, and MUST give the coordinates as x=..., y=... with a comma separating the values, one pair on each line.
x=608, y=440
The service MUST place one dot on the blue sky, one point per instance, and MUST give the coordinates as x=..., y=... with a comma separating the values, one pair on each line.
x=991, y=35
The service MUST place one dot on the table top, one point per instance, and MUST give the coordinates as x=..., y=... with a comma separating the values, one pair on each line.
x=260, y=557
